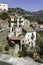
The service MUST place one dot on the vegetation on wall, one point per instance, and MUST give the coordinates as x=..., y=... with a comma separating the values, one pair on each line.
x=3, y=16
x=39, y=44
x=1, y=49
x=23, y=53
x=7, y=47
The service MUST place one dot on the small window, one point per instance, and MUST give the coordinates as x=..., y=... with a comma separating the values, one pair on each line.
x=4, y=9
x=28, y=35
x=9, y=31
x=14, y=18
x=12, y=29
x=3, y=5
x=27, y=45
x=32, y=37
x=23, y=41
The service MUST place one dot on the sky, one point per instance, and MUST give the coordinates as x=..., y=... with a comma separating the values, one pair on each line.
x=29, y=5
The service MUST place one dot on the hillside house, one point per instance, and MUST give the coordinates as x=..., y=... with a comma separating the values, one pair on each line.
x=30, y=36
x=19, y=34
x=34, y=24
x=40, y=28
x=3, y=7
x=27, y=23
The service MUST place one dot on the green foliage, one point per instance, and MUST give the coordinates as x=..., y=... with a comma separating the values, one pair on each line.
x=19, y=35
x=3, y=16
x=31, y=18
x=7, y=52
x=31, y=54
x=37, y=48
x=38, y=60
x=0, y=27
x=7, y=47
x=40, y=42
x=40, y=21
x=41, y=33
x=23, y=53
x=0, y=49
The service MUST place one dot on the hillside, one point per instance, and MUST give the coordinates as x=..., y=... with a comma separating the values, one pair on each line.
x=38, y=14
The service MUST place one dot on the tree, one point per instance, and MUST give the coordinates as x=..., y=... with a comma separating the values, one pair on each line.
x=39, y=43
x=0, y=49
x=23, y=53
x=7, y=47
x=0, y=26
x=3, y=16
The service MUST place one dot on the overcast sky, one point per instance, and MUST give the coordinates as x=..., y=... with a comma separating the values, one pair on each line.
x=29, y=5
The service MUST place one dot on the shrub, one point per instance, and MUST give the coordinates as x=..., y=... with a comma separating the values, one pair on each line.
x=7, y=47
x=38, y=59
x=0, y=49
x=31, y=52
x=23, y=53
x=6, y=52
x=3, y=16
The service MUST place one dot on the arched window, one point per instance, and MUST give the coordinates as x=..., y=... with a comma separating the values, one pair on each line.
x=32, y=37
x=4, y=9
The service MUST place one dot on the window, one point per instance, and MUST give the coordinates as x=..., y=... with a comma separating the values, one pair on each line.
x=4, y=9
x=9, y=31
x=14, y=19
x=23, y=41
x=28, y=35
x=3, y=5
x=27, y=45
x=32, y=37
x=28, y=39
x=12, y=29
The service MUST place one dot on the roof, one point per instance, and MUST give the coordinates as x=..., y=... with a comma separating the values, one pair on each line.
x=34, y=22
x=12, y=16
x=15, y=17
x=28, y=29
x=3, y=3
x=16, y=37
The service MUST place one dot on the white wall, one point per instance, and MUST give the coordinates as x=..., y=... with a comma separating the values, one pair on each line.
x=12, y=19
x=3, y=6
x=28, y=39
x=11, y=33
x=18, y=31
x=41, y=26
x=27, y=22
x=12, y=24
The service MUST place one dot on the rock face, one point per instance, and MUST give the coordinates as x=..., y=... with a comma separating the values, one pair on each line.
x=4, y=63
x=4, y=30
x=17, y=61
